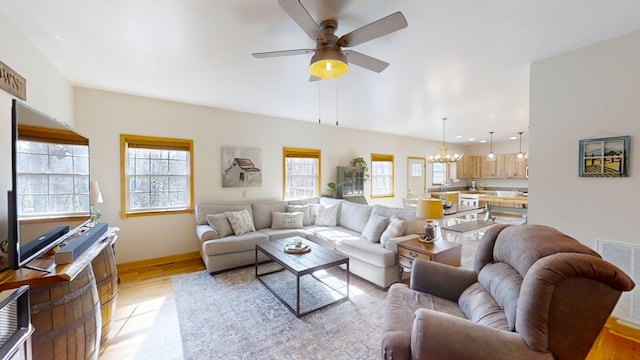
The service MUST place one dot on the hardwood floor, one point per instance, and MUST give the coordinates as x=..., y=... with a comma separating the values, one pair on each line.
x=145, y=325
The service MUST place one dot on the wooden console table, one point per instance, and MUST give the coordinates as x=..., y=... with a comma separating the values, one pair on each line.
x=62, y=301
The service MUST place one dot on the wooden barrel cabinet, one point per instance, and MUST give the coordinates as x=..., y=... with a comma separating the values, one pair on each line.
x=72, y=305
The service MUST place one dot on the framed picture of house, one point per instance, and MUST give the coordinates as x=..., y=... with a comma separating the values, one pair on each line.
x=241, y=166
x=604, y=157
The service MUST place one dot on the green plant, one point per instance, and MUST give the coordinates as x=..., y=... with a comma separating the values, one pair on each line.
x=361, y=162
x=333, y=189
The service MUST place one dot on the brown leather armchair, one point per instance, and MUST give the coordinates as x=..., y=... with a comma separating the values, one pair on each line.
x=534, y=293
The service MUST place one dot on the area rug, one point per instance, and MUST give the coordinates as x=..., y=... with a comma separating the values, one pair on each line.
x=233, y=316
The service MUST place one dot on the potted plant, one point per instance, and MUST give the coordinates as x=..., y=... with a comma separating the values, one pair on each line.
x=361, y=162
x=333, y=190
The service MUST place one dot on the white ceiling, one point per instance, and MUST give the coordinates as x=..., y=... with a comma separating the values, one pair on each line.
x=467, y=60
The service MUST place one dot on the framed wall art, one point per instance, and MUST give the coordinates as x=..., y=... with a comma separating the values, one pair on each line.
x=241, y=167
x=604, y=157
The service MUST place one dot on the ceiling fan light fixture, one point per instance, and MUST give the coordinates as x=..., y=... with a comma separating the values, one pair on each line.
x=328, y=63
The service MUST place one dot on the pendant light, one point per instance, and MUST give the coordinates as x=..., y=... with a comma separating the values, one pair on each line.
x=491, y=156
x=444, y=156
x=520, y=156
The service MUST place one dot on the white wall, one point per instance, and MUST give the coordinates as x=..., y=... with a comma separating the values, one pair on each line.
x=589, y=92
x=103, y=116
x=47, y=91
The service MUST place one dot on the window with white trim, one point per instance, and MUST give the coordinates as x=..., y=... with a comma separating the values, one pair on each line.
x=156, y=175
x=439, y=173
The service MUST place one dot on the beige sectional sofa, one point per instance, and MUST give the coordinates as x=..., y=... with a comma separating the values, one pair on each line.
x=366, y=233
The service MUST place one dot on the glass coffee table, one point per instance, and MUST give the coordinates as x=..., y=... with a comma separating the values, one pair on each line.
x=317, y=288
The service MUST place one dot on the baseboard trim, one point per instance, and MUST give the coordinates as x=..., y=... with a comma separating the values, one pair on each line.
x=624, y=330
x=161, y=261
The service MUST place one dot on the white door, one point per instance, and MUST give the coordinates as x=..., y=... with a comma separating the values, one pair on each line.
x=416, y=176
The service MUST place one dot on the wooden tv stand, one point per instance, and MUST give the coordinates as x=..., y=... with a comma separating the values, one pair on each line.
x=63, y=289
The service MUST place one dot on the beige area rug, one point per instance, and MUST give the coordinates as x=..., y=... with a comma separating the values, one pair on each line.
x=233, y=316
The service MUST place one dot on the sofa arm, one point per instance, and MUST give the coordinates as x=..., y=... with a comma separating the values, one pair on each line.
x=437, y=335
x=441, y=280
x=392, y=244
x=206, y=232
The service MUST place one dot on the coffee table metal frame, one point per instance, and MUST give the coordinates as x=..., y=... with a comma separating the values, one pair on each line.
x=319, y=258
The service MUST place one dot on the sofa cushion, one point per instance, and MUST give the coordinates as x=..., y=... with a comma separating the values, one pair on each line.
x=327, y=215
x=241, y=222
x=354, y=216
x=359, y=248
x=503, y=283
x=394, y=229
x=311, y=200
x=277, y=234
x=220, y=223
x=202, y=210
x=480, y=307
x=374, y=228
x=286, y=220
x=262, y=212
x=521, y=247
x=305, y=210
x=234, y=243
x=413, y=224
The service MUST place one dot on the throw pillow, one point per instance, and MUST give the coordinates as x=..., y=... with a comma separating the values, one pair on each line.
x=313, y=211
x=220, y=223
x=327, y=215
x=241, y=222
x=374, y=228
x=394, y=229
x=287, y=220
x=305, y=210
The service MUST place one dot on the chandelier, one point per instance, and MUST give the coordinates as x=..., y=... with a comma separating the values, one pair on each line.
x=444, y=156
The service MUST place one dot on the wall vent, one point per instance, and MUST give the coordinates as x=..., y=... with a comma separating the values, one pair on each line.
x=627, y=258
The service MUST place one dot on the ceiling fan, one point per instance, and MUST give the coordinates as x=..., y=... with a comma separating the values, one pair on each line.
x=329, y=60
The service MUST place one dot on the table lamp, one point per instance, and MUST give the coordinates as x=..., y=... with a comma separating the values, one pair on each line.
x=95, y=197
x=429, y=209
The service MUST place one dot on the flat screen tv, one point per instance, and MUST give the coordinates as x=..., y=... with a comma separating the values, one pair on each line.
x=49, y=200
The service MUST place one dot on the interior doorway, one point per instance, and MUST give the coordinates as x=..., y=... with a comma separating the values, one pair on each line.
x=416, y=176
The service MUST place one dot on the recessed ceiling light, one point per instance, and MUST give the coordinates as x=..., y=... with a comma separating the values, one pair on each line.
x=483, y=141
x=472, y=139
x=513, y=138
x=459, y=137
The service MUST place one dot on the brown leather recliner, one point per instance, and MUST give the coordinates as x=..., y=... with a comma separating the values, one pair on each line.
x=534, y=293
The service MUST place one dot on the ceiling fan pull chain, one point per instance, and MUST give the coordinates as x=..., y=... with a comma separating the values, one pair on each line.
x=319, y=105
x=336, y=80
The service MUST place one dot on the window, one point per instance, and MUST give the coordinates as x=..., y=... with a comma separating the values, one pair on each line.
x=301, y=173
x=381, y=175
x=439, y=173
x=53, y=178
x=156, y=175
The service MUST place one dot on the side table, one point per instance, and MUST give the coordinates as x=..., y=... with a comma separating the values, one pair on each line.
x=441, y=251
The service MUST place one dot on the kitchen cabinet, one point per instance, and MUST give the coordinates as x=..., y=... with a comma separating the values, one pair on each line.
x=352, y=178
x=469, y=167
x=513, y=168
x=493, y=169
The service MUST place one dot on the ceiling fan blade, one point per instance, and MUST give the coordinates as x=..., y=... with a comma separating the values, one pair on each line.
x=269, y=54
x=301, y=16
x=365, y=61
x=376, y=29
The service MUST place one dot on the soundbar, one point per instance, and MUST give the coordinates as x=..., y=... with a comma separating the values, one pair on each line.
x=74, y=248
x=50, y=236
